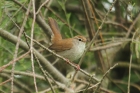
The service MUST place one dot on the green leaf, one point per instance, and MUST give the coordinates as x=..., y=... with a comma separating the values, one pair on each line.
x=68, y=15
x=62, y=5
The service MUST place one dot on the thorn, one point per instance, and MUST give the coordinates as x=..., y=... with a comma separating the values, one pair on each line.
x=67, y=61
x=78, y=67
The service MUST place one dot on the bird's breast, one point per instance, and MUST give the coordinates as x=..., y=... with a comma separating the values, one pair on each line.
x=75, y=52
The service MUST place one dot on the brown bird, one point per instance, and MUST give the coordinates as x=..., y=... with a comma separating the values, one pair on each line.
x=71, y=48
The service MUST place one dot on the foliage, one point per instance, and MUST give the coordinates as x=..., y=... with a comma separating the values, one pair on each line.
x=113, y=57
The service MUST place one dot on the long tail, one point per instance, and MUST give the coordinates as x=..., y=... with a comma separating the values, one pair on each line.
x=54, y=26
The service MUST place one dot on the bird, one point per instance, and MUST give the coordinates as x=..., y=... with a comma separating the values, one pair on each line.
x=70, y=48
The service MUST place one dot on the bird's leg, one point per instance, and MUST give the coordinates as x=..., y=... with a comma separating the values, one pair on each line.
x=77, y=65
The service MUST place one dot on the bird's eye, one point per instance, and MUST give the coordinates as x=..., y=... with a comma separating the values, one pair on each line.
x=80, y=39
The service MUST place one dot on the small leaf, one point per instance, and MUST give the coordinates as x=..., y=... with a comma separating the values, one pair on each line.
x=68, y=15
x=62, y=5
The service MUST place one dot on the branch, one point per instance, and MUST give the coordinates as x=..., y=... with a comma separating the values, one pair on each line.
x=53, y=71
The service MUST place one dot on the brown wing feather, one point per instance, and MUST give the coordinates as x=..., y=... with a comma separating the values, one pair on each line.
x=62, y=45
x=55, y=30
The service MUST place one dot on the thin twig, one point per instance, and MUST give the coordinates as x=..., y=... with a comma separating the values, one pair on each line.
x=132, y=26
x=50, y=82
x=104, y=77
x=130, y=64
x=13, y=61
x=44, y=72
x=84, y=90
x=17, y=46
x=129, y=77
x=31, y=44
x=42, y=6
x=5, y=81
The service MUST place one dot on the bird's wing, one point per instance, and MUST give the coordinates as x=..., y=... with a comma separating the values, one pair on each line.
x=62, y=45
